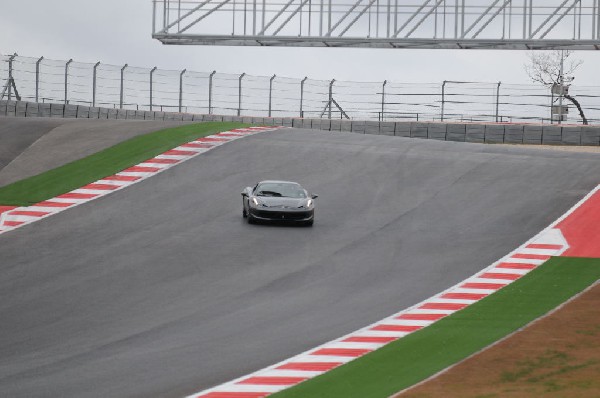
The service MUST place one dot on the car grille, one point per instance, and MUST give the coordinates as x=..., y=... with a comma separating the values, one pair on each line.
x=282, y=215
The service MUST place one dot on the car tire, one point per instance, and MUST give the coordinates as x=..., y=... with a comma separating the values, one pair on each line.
x=251, y=219
x=309, y=223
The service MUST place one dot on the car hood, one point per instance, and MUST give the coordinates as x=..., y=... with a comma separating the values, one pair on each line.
x=277, y=202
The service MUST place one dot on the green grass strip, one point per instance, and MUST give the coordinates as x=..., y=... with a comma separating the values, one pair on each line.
x=104, y=163
x=421, y=354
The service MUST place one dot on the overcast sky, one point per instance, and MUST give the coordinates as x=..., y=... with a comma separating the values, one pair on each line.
x=119, y=32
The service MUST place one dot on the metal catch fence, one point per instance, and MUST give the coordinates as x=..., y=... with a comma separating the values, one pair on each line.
x=140, y=88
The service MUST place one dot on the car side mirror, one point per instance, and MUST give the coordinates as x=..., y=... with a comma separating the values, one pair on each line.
x=314, y=196
x=244, y=194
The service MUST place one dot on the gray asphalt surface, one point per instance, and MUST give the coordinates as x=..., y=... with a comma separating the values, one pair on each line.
x=29, y=146
x=162, y=290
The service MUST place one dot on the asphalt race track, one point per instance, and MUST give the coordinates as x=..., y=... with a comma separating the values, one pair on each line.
x=162, y=289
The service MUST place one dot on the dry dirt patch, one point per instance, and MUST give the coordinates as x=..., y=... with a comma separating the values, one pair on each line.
x=556, y=356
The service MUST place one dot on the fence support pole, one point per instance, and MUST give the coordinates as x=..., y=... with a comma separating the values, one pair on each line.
x=181, y=89
x=497, y=100
x=152, y=87
x=37, y=79
x=121, y=91
x=210, y=89
x=271, y=93
x=330, y=96
x=10, y=77
x=551, y=104
x=302, y=96
x=95, y=75
x=67, y=80
x=383, y=100
x=239, y=111
x=443, y=95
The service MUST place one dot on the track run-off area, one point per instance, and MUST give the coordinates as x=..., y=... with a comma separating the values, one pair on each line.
x=161, y=288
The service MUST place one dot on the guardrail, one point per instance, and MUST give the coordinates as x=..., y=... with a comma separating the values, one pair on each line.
x=540, y=134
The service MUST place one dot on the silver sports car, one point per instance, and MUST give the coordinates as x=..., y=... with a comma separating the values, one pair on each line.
x=278, y=201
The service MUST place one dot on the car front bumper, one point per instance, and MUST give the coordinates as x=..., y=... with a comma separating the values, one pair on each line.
x=282, y=215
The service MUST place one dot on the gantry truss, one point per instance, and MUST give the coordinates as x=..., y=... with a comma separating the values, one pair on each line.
x=450, y=24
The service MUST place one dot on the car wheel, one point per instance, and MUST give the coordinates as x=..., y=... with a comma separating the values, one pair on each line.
x=309, y=223
x=251, y=219
x=244, y=212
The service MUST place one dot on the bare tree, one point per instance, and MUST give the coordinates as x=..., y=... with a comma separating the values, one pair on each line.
x=554, y=68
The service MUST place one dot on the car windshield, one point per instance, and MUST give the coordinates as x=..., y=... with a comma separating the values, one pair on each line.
x=278, y=189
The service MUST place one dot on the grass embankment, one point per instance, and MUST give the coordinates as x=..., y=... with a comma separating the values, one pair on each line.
x=419, y=355
x=104, y=163
x=557, y=356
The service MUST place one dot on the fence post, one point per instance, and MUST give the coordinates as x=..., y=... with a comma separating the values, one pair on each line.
x=239, y=111
x=10, y=77
x=95, y=74
x=497, y=100
x=67, y=80
x=181, y=89
x=37, y=78
x=210, y=89
x=121, y=93
x=330, y=96
x=151, y=87
x=551, y=104
x=383, y=100
x=443, y=95
x=270, y=93
x=302, y=96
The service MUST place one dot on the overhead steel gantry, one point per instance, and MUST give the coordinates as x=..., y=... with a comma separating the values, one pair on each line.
x=450, y=24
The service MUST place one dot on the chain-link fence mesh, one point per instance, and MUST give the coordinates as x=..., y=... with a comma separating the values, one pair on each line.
x=131, y=87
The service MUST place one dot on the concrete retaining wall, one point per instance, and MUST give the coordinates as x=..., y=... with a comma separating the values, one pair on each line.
x=461, y=132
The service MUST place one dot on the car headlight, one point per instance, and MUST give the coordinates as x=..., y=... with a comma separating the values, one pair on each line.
x=255, y=201
x=307, y=205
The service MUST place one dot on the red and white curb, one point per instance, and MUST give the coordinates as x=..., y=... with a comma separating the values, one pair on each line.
x=12, y=218
x=550, y=242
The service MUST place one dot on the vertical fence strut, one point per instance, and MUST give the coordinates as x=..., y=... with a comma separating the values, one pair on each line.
x=181, y=89
x=37, y=78
x=94, y=82
x=239, y=110
x=382, y=118
x=302, y=96
x=561, y=82
x=151, y=88
x=210, y=91
x=67, y=81
x=330, y=96
x=443, y=100
x=497, y=100
x=271, y=93
x=121, y=87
